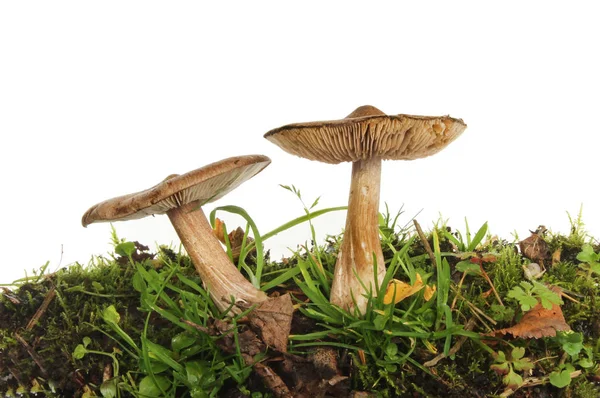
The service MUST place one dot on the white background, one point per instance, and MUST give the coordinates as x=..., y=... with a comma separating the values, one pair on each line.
x=99, y=99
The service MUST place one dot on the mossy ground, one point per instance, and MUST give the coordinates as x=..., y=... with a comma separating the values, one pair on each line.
x=47, y=317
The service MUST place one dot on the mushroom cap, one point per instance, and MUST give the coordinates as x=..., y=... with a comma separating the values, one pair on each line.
x=368, y=133
x=205, y=185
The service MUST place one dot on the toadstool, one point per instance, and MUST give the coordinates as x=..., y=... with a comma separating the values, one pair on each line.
x=180, y=197
x=365, y=137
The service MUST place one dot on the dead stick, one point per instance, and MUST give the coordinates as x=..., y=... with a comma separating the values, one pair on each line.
x=32, y=353
x=535, y=381
x=40, y=311
x=461, y=340
x=489, y=281
x=425, y=243
x=458, y=288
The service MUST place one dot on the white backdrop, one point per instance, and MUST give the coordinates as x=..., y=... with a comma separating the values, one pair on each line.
x=99, y=99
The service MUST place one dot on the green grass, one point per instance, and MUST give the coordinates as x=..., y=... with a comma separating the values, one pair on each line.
x=140, y=324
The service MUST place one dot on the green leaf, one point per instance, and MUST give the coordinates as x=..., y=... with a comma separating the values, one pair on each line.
x=86, y=341
x=125, y=249
x=108, y=389
x=517, y=353
x=571, y=342
x=500, y=357
x=478, y=237
x=587, y=254
x=198, y=373
x=181, y=341
x=198, y=393
x=468, y=267
x=500, y=368
x=139, y=284
x=110, y=315
x=585, y=363
x=560, y=379
x=158, y=352
x=523, y=365
x=527, y=302
x=148, y=389
x=79, y=351
x=315, y=202
x=391, y=350
x=512, y=380
x=380, y=321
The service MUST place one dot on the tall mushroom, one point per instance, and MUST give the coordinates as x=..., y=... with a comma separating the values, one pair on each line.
x=365, y=137
x=180, y=197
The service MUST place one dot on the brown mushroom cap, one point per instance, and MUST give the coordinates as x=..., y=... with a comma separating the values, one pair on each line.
x=205, y=185
x=368, y=133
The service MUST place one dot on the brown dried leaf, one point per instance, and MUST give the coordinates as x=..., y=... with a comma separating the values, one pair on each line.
x=236, y=237
x=272, y=320
x=272, y=380
x=538, y=322
x=535, y=248
x=488, y=258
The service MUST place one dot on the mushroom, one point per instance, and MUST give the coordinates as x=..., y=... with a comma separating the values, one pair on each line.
x=365, y=137
x=181, y=197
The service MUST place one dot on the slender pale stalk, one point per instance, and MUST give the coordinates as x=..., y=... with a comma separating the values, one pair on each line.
x=219, y=275
x=361, y=239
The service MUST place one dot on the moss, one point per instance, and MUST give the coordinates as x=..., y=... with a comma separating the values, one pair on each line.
x=42, y=355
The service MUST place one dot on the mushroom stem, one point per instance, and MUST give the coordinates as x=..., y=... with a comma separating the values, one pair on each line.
x=222, y=279
x=361, y=239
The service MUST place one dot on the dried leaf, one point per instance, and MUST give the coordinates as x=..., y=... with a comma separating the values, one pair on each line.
x=539, y=322
x=535, y=248
x=236, y=237
x=488, y=258
x=219, y=230
x=402, y=290
x=272, y=320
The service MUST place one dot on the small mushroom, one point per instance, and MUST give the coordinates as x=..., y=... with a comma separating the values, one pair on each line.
x=181, y=198
x=365, y=137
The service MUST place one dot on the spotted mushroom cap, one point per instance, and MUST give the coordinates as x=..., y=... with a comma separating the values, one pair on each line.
x=205, y=185
x=368, y=133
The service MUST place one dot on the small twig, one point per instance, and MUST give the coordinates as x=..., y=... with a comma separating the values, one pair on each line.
x=425, y=243
x=461, y=340
x=36, y=358
x=10, y=296
x=476, y=310
x=42, y=309
x=489, y=281
x=563, y=294
x=462, y=279
x=200, y=328
x=534, y=381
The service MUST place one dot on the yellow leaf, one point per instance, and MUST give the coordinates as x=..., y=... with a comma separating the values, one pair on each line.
x=430, y=346
x=219, y=230
x=398, y=290
x=429, y=291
